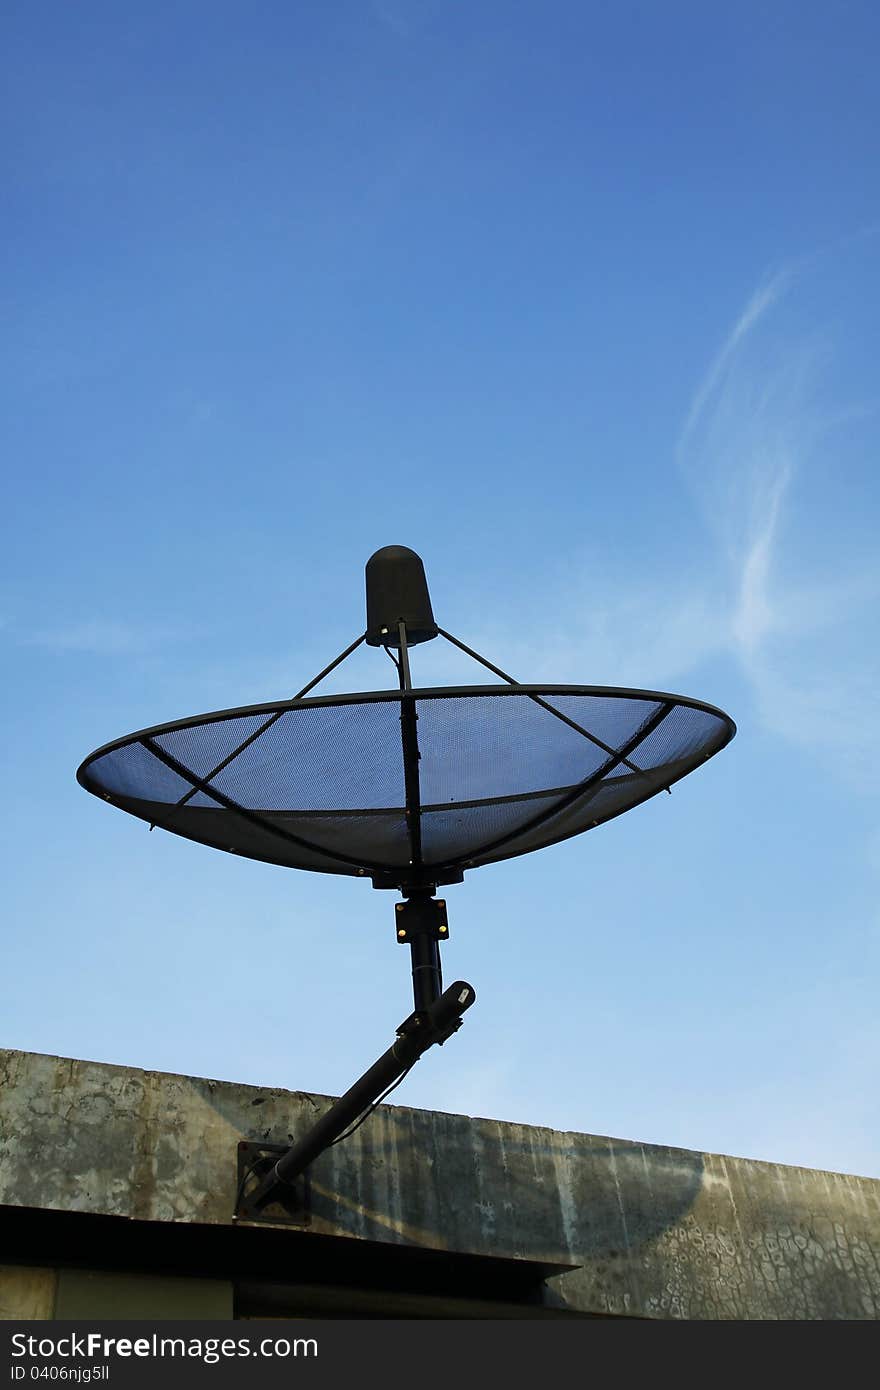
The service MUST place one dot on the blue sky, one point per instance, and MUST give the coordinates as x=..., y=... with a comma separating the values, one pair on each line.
x=579, y=301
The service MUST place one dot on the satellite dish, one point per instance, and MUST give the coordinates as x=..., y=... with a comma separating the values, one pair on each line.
x=409, y=788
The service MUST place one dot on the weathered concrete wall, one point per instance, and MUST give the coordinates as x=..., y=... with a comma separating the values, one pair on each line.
x=660, y=1232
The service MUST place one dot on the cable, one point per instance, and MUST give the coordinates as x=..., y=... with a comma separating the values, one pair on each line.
x=248, y=1173
x=389, y=653
x=367, y=1113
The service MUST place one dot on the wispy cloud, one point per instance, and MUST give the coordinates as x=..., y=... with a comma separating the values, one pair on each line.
x=767, y=584
x=761, y=301
x=401, y=18
x=101, y=637
x=754, y=618
x=797, y=617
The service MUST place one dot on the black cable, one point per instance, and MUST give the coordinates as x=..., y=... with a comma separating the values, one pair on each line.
x=367, y=1113
x=248, y=1173
x=389, y=652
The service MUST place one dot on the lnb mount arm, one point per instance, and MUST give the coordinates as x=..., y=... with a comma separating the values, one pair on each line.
x=415, y=1035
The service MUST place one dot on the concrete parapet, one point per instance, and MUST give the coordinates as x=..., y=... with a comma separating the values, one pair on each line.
x=654, y=1231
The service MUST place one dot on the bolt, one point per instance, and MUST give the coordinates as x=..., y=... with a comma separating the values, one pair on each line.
x=399, y=907
x=402, y=934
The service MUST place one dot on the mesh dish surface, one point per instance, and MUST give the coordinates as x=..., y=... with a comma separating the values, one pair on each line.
x=319, y=783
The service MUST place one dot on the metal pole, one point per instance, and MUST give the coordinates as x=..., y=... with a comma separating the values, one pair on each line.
x=427, y=977
x=411, y=755
x=405, y=677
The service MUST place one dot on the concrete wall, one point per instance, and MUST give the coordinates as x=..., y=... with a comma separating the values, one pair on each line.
x=26, y=1293
x=658, y=1232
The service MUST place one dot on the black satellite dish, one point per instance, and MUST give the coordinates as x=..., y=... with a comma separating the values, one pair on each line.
x=409, y=788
